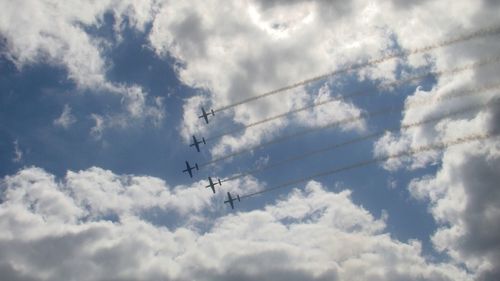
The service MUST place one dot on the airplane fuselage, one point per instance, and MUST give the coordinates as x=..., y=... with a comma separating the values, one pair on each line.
x=230, y=199
x=212, y=184
x=189, y=169
x=205, y=115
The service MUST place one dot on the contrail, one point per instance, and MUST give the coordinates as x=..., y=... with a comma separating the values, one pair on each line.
x=435, y=146
x=465, y=37
x=452, y=71
x=354, y=119
x=403, y=127
x=361, y=116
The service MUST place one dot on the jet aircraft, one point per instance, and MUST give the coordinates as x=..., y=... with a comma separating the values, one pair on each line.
x=230, y=199
x=212, y=184
x=196, y=143
x=189, y=168
x=205, y=114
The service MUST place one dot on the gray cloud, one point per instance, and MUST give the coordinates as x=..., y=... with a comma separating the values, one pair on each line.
x=406, y=4
x=494, y=123
x=9, y=273
x=327, y=9
x=191, y=33
x=479, y=176
x=464, y=200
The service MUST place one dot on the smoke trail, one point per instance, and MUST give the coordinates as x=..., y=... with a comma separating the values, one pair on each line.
x=452, y=71
x=403, y=127
x=301, y=133
x=436, y=146
x=476, y=34
x=383, y=111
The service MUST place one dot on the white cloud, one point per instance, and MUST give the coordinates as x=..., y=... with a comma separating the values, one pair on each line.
x=462, y=195
x=57, y=230
x=433, y=105
x=464, y=198
x=98, y=128
x=18, y=153
x=137, y=113
x=55, y=33
x=244, y=50
x=334, y=111
x=251, y=47
x=66, y=119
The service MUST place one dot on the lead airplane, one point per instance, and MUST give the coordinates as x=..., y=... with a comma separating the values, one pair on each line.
x=196, y=143
x=205, y=114
x=212, y=184
x=189, y=168
x=230, y=199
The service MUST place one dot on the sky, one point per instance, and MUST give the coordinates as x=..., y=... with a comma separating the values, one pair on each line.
x=360, y=135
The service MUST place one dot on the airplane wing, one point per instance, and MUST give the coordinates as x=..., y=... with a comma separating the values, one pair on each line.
x=195, y=144
x=188, y=169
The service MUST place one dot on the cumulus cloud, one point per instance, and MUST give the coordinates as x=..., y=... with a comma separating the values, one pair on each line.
x=240, y=51
x=66, y=119
x=337, y=111
x=60, y=229
x=233, y=56
x=230, y=52
x=276, y=43
x=56, y=33
x=464, y=198
x=239, y=55
x=429, y=105
x=462, y=194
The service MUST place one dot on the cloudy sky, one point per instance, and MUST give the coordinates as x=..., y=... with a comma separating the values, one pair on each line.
x=387, y=169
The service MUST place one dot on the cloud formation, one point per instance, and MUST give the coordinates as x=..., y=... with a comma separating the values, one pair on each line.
x=462, y=194
x=463, y=197
x=240, y=51
x=238, y=55
x=18, y=153
x=230, y=52
x=266, y=45
x=93, y=225
x=58, y=34
x=66, y=119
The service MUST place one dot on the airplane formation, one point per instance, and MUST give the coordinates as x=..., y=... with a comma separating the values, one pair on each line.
x=210, y=113
x=189, y=169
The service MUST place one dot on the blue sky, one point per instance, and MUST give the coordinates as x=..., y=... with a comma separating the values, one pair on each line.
x=97, y=111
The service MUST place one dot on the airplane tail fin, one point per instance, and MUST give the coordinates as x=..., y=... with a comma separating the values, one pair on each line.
x=196, y=165
x=220, y=183
x=213, y=113
x=204, y=140
x=237, y=196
